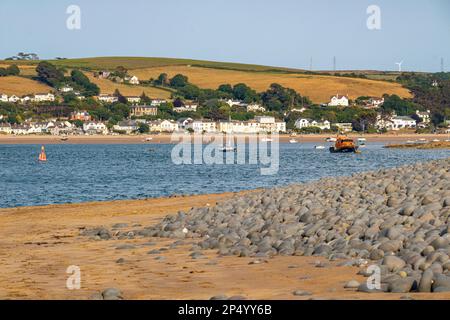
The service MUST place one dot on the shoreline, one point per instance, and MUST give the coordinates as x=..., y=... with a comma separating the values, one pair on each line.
x=166, y=138
x=42, y=241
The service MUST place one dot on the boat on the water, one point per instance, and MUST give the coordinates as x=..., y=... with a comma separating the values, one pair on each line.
x=42, y=155
x=228, y=149
x=344, y=144
x=330, y=139
x=267, y=140
x=319, y=147
x=293, y=141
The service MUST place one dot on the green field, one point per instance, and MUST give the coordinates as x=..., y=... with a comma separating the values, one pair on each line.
x=131, y=63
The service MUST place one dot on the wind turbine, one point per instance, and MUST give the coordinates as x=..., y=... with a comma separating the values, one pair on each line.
x=399, y=66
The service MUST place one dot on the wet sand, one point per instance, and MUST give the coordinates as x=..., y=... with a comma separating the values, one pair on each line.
x=166, y=138
x=39, y=243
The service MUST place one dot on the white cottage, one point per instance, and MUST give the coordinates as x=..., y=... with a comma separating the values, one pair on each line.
x=338, y=101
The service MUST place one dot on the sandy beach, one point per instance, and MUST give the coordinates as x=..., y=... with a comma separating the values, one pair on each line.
x=166, y=138
x=39, y=243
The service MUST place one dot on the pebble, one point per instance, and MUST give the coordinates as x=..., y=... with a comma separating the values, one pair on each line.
x=125, y=247
x=301, y=293
x=219, y=297
x=112, y=294
x=398, y=218
x=352, y=284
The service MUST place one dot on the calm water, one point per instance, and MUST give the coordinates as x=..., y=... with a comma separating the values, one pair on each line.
x=79, y=173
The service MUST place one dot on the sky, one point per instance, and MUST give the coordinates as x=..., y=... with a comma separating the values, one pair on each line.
x=285, y=33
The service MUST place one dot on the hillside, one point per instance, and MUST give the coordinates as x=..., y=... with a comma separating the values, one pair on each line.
x=210, y=74
x=20, y=86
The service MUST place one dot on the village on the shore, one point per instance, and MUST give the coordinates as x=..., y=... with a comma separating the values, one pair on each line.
x=77, y=107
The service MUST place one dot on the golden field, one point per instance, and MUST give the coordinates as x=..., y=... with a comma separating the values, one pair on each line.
x=108, y=86
x=210, y=75
x=21, y=86
x=317, y=88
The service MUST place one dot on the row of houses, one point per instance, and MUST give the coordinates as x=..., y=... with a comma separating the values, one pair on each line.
x=261, y=124
x=390, y=122
x=302, y=123
x=54, y=128
x=38, y=97
x=108, y=75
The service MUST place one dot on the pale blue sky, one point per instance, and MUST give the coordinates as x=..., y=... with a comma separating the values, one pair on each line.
x=279, y=33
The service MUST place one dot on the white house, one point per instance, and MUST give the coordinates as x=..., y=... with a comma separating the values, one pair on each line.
x=307, y=123
x=186, y=108
x=169, y=126
x=248, y=127
x=375, y=102
x=128, y=126
x=338, y=101
x=395, y=122
x=3, y=97
x=13, y=99
x=344, y=126
x=200, y=126
x=43, y=97
x=302, y=123
x=403, y=122
x=19, y=129
x=133, y=80
x=107, y=98
x=26, y=99
x=66, y=89
x=139, y=111
x=425, y=116
x=134, y=99
x=157, y=102
x=93, y=127
x=183, y=122
x=254, y=107
x=269, y=124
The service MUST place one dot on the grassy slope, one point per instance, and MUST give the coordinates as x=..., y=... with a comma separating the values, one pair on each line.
x=21, y=86
x=210, y=74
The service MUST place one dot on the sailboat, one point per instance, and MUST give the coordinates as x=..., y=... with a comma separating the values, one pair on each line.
x=229, y=146
x=42, y=155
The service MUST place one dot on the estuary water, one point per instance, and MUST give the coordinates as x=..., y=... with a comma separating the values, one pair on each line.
x=81, y=173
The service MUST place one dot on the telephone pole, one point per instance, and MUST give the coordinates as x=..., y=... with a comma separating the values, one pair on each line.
x=334, y=63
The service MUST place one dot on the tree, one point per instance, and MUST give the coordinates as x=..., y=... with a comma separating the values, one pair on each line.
x=121, y=72
x=178, y=103
x=13, y=70
x=401, y=107
x=178, y=81
x=145, y=99
x=90, y=89
x=162, y=80
x=227, y=88
x=120, y=111
x=78, y=123
x=120, y=97
x=49, y=74
x=243, y=92
x=143, y=128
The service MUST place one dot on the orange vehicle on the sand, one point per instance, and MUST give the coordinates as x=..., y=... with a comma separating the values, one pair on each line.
x=344, y=144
